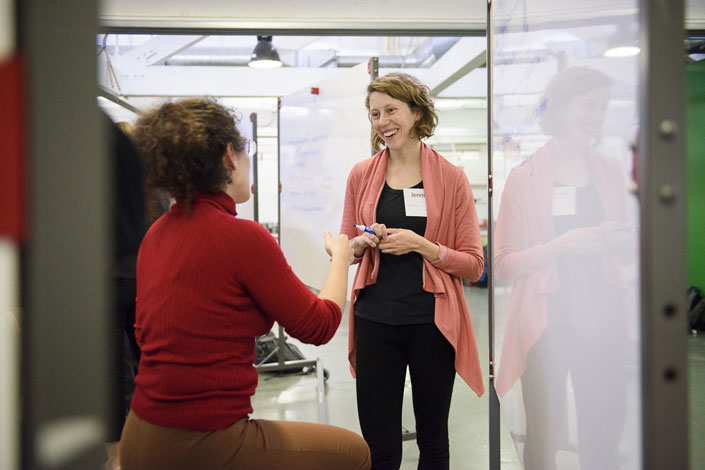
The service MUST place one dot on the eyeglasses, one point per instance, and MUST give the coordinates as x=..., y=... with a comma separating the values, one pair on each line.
x=251, y=148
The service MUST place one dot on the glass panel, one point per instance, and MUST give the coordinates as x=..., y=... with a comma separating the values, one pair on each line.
x=565, y=231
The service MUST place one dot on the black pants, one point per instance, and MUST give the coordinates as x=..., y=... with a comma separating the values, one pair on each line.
x=383, y=354
x=124, y=356
x=588, y=345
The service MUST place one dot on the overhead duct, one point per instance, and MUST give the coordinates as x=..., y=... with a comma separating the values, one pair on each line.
x=211, y=56
x=191, y=60
x=424, y=56
x=384, y=62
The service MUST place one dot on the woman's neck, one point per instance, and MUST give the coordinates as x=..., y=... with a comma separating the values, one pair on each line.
x=569, y=149
x=570, y=164
x=404, y=166
x=408, y=155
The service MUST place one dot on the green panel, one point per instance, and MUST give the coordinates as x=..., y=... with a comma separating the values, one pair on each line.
x=696, y=174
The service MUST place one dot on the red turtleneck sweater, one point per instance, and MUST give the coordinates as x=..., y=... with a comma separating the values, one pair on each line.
x=207, y=285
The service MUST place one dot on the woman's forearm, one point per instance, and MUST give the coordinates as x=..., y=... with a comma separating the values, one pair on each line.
x=428, y=249
x=335, y=287
x=359, y=246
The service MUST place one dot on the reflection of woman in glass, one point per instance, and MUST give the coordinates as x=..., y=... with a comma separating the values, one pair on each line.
x=560, y=238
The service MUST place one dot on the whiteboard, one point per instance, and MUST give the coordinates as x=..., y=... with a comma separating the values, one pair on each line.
x=246, y=210
x=321, y=137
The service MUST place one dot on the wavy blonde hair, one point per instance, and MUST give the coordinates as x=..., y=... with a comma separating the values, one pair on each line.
x=410, y=90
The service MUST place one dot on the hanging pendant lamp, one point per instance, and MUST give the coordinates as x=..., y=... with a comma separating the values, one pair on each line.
x=264, y=55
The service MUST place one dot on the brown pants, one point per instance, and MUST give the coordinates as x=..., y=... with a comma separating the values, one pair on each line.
x=246, y=444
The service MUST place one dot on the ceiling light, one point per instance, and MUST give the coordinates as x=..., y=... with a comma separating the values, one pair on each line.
x=622, y=51
x=624, y=42
x=264, y=55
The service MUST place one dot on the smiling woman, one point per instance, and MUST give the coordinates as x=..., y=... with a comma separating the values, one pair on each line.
x=424, y=239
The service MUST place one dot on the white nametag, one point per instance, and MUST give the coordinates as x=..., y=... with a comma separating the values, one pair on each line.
x=564, y=200
x=414, y=202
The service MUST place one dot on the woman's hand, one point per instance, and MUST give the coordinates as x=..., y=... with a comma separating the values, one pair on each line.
x=401, y=241
x=580, y=241
x=620, y=241
x=339, y=247
x=361, y=242
x=616, y=235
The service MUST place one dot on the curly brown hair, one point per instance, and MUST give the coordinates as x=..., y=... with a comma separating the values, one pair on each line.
x=182, y=145
x=410, y=90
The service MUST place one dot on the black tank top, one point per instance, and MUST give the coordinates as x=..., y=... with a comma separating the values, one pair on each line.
x=397, y=298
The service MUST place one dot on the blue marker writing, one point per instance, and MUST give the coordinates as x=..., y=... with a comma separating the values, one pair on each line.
x=367, y=229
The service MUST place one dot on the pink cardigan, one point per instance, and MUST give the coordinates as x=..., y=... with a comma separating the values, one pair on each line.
x=451, y=223
x=525, y=222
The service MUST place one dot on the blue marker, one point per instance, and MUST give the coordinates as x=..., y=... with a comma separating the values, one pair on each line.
x=367, y=229
x=364, y=228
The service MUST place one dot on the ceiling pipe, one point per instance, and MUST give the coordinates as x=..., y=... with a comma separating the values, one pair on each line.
x=424, y=56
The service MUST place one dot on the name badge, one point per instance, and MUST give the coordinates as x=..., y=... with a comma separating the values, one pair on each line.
x=414, y=202
x=564, y=200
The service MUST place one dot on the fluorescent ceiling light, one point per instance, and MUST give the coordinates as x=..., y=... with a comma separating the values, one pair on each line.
x=622, y=51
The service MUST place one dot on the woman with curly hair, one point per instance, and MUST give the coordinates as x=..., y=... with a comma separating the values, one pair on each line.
x=407, y=306
x=204, y=293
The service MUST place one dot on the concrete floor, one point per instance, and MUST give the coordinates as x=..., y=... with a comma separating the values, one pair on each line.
x=293, y=396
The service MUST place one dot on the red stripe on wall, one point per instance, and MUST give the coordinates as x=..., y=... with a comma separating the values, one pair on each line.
x=12, y=150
